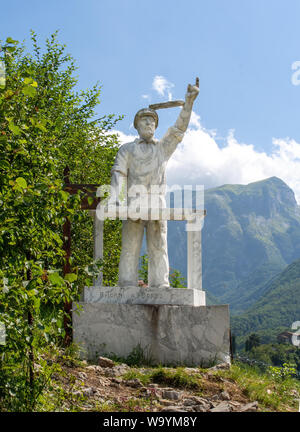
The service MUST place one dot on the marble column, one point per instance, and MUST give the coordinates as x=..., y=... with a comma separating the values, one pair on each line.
x=98, y=243
x=194, y=253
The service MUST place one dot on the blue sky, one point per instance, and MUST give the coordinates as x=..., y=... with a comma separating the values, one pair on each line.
x=242, y=51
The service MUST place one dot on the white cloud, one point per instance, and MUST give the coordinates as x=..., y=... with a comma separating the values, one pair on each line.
x=200, y=160
x=162, y=86
x=195, y=120
x=124, y=138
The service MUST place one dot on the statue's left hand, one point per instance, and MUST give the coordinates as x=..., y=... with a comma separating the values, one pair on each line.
x=192, y=91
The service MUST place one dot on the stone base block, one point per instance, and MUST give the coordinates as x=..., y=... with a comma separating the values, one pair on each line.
x=170, y=335
x=139, y=295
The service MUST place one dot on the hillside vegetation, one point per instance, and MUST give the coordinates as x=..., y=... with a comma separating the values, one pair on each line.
x=276, y=310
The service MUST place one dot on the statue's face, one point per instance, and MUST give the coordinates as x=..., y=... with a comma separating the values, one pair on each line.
x=146, y=127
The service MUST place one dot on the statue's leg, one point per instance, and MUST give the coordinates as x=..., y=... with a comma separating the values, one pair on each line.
x=158, y=264
x=132, y=238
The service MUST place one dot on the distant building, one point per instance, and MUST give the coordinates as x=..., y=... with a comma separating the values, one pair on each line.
x=285, y=337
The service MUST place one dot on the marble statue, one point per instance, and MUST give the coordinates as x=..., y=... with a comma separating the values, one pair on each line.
x=142, y=164
x=172, y=326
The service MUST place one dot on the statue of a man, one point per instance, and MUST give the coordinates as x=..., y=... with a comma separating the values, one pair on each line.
x=143, y=163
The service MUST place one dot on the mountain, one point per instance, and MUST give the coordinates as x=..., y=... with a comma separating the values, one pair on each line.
x=275, y=311
x=251, y=233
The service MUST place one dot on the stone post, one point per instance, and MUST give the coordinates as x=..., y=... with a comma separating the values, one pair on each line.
x=194, y=252
x=98, y=243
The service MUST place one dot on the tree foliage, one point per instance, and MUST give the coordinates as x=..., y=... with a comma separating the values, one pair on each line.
x=276, y=354
x=175, y=277
x=252, y=341
x=45, y=124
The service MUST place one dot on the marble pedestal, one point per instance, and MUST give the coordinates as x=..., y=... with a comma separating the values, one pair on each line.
x=172, y=325
x=168, y=334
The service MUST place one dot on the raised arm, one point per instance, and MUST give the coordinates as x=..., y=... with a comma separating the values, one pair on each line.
x=174, y=134
x=184, y=117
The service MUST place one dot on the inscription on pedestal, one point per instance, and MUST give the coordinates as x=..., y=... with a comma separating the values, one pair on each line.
x=139, y=295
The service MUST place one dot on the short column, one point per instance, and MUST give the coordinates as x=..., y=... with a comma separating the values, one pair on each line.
x=98, y=243
x=194, y=253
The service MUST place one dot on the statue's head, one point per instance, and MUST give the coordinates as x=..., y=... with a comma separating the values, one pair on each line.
x=145, y=122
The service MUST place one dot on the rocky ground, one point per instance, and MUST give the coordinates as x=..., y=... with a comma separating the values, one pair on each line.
x=118, y=387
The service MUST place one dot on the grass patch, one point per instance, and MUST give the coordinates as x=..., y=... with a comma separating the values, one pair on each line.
x=176, y=378
x=145, y=378
x=269, y=392
x=139, y=356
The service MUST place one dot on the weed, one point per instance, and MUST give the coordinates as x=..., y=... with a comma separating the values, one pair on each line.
x=139, y=356
x=271, y=393
x=135, y=373
x=281, y=373
x=176, y=378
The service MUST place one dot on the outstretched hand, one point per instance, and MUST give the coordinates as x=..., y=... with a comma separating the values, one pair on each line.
x=192, y=91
